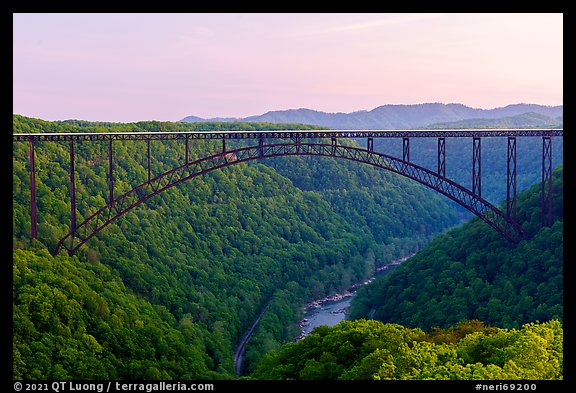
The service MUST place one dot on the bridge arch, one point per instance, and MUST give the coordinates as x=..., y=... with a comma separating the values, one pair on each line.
x=141, y=193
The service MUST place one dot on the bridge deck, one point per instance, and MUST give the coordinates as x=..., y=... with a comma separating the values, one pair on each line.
x=285, y=134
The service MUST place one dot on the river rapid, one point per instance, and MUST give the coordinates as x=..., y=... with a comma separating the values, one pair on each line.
x=326, y=311
x=329, y=314
x=332, y=309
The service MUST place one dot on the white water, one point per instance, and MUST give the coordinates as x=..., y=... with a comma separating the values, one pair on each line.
x=329, y=314
x=328, y=311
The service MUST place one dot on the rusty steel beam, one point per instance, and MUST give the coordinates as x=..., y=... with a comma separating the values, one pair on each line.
x=72, y=193
x=302, y=134
x=295, y=145
x=406, y=149
x=110, y=173
x=33, y=217
x=476, y=166
x=370, y=144
x=546, y=193
x=511, y=179
x=186, y=152
x=473, y=202
x=148, y=156
x=442, y=157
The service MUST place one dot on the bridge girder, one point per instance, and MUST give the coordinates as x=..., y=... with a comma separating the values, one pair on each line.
x=119, y=206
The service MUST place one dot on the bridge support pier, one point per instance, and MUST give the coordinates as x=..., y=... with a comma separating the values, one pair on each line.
x=186, y=152
x=33, y=218
x=297, y=141
x=406, y=149
x=442, y=157
x=511, y=182
x=260, y=146
x=546, y=210
x=370, y=144
x=110, y=173
x=148, y=149
x=72, y=194
x=476, y=167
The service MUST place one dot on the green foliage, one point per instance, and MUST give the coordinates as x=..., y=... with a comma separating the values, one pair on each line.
x=472, y=273
x=169, y=289
x=424, y=152
x=75, y=320
x=398, y=212
x=368, y=349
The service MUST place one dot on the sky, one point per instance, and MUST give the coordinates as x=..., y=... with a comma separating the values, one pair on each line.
x=146, y=66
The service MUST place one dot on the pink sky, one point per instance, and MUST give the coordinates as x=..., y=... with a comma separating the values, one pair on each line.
x=132, y=67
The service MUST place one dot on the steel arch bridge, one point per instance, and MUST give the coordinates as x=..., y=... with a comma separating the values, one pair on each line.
x=306, y=142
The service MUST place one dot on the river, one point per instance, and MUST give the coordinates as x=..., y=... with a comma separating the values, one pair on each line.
x=332, y=309
x=329, y=313
x=326, y=311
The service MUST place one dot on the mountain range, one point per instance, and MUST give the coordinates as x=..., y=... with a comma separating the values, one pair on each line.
x=428, y=115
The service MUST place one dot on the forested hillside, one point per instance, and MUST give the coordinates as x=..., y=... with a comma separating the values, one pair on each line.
x=473, y=273
x=494, y=151
x=168, y=290
x=470, y=305
x=357, y=350
x=399, y=216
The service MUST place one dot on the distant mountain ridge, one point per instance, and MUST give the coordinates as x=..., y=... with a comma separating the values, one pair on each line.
x=525, y=120
x=402, y=116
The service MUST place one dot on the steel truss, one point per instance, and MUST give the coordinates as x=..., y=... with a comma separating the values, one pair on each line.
x=511, y=179
x=289, y=135
x=546, y=193
x=119, y=206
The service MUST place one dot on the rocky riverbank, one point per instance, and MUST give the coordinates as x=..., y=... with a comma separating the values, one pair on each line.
x=319, y=304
